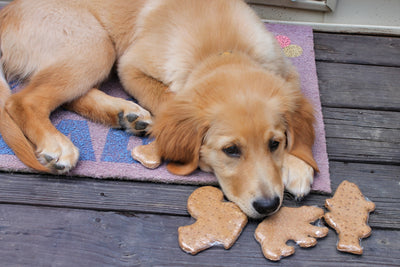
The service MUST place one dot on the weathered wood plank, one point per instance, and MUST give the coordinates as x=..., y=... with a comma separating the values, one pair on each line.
x=377, y=182
x=93, y=193
x=362, y=135
x=357, y=49
x=359, y=86
x=383, y=126
x=363, y=151
x=34, y=236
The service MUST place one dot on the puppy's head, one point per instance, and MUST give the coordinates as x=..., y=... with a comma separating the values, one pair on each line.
x=233, y=123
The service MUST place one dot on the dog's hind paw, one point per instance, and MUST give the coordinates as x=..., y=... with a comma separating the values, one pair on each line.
x=297, y=176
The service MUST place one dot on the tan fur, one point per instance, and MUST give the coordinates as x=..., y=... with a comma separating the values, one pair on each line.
x=208, y=71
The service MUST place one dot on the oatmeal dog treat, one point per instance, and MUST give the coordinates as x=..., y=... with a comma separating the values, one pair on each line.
x=348, y=215
x=147, y=155
x=289, y=224
x=218, y=222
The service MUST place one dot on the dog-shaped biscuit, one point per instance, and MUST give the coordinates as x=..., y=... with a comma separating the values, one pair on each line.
x=289, y=224
x=218, y=222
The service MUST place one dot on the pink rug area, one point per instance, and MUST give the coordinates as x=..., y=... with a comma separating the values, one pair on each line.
x=105, y=152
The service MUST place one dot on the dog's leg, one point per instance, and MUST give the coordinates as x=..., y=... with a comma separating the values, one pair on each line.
x=297, y=176
x=30, y=110
x=116, y=112
x=31, y=107
x=150, y=93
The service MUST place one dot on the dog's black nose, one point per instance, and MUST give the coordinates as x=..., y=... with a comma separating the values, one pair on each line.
x=266, y=206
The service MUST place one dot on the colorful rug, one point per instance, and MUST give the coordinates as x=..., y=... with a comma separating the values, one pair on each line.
x=105, y=152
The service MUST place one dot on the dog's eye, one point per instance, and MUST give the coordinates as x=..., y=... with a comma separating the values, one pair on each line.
x=232, y=151
x=273, y=145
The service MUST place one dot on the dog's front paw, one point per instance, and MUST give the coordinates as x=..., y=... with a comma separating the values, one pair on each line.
x=58, y=154
x=135, y=120
x=297, y=176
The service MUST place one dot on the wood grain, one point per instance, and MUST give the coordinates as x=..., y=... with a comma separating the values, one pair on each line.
x=359, y=86
x=378, y=182
x=38, y=236
x=362, y=135
x=357, y=49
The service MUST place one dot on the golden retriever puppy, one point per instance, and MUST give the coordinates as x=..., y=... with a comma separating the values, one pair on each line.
x=213, y=86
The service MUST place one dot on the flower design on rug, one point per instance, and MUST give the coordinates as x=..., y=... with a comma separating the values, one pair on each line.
x=290, y=50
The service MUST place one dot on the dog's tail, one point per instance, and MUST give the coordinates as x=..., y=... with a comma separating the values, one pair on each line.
x=12, y=134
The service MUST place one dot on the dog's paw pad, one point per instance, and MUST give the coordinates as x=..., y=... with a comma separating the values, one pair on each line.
x=47, y=159
x=218, y=222
x=348, y=215
x=147, y=155
x=138, y=124
x=59, y=167
x=131, y=117
x=55, y=164
x=289, y=224
x=141, y=125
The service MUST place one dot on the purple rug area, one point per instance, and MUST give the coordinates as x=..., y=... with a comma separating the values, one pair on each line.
x=106, y=153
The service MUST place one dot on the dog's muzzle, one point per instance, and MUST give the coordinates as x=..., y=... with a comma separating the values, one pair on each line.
x=266, y=206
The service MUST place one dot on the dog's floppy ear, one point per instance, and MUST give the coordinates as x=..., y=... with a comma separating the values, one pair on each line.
x=300, y=132
x=179, y=130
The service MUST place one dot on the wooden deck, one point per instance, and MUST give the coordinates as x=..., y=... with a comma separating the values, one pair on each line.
x=61, y=221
